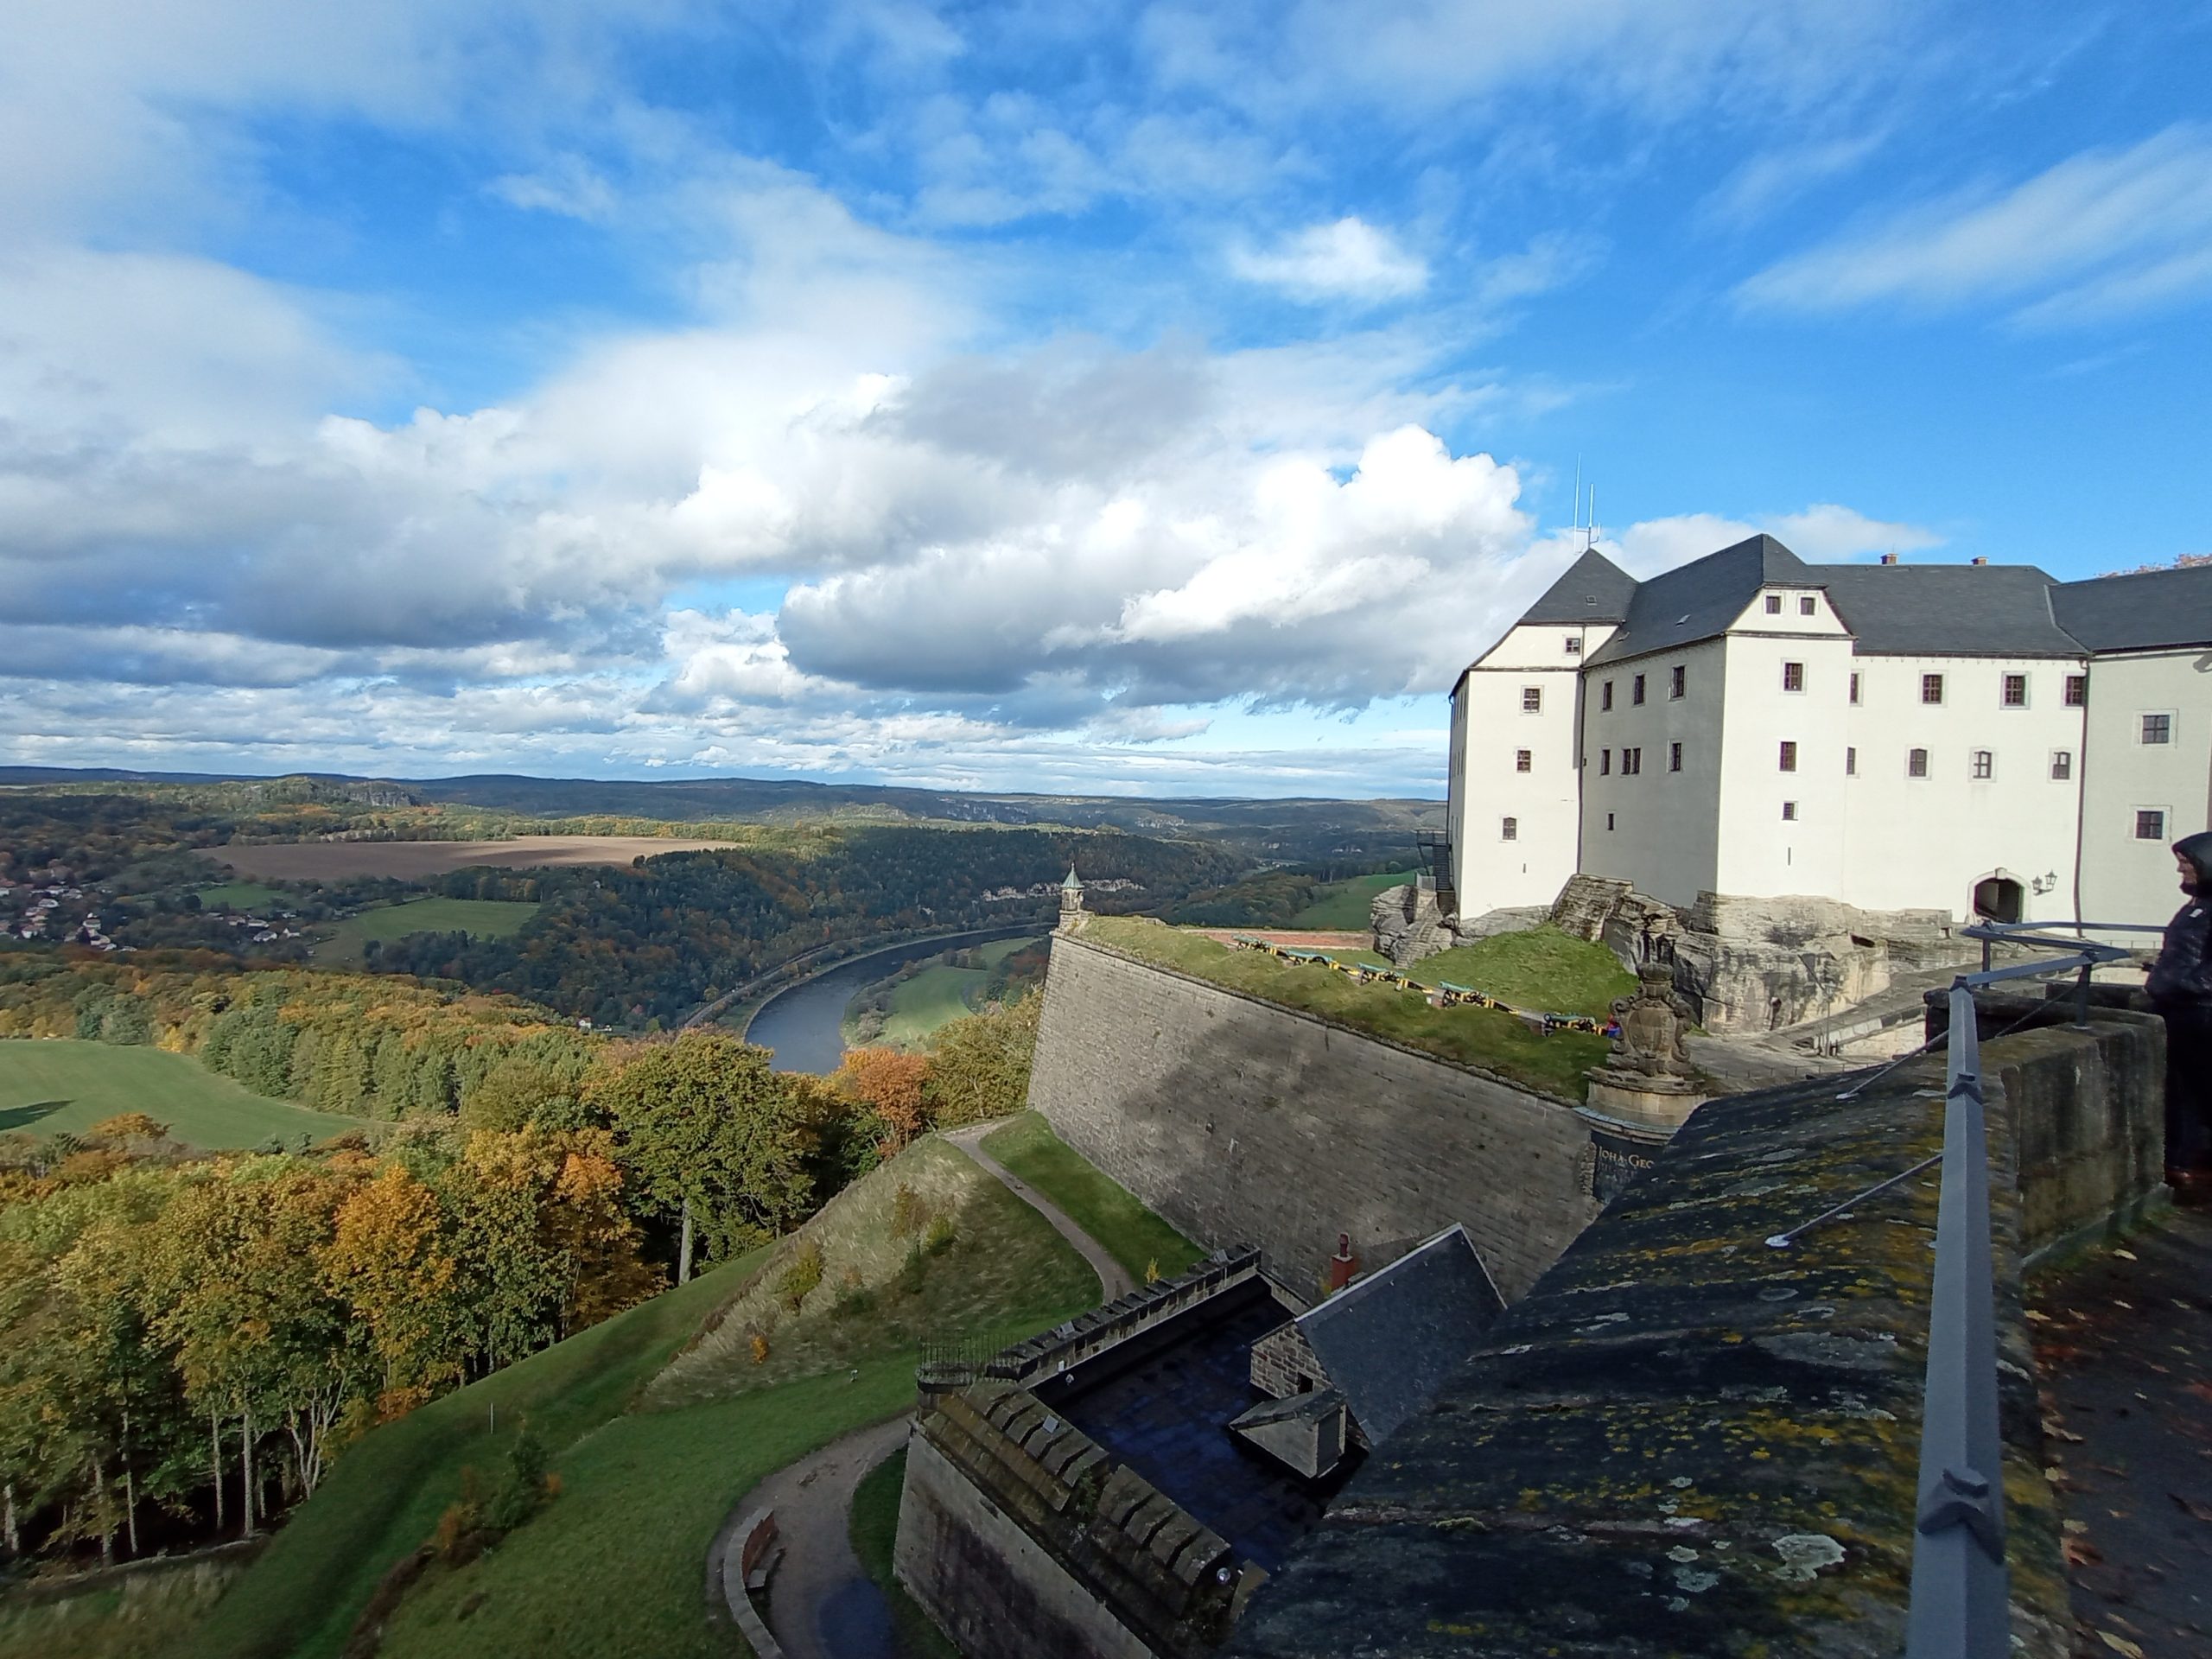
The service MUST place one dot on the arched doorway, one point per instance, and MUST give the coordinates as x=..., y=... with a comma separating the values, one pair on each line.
x=1999, y=899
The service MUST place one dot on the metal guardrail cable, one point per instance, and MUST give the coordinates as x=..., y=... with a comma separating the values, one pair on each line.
x=1783, y=1240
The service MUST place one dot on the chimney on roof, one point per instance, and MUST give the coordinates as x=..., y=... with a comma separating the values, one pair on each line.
x=1889, y=558
x=1981, y=560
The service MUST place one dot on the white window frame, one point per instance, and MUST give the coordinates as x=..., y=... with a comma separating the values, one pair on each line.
x=2057, y=757
x=1574, y=645
x=1524, y=760
x=1509, y=829
x=2165, y=824
x=1773, y=604
x=1935, y=701
x=1536, y=692
x=1798, y=690
x=1974, y=774
x=2027, y=690
x=1927, y=765
x=1807, y=605
x=2171, y=716
x=1790, y=811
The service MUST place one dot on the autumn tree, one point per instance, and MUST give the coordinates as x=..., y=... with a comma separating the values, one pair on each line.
x=979, y=1066
x=889, y=1082
x=708, y=1133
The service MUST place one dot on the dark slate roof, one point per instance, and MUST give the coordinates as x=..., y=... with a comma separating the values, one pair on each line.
x=2138, y=612
x=1947, y=610
x=1389, y=1341
x=1700, y=599
x=1593, y=590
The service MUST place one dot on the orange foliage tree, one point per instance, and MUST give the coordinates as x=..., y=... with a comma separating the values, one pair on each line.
x=891, y=1084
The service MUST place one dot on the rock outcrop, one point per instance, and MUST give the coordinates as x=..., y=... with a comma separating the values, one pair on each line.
x=1757, y=964
x=1408, y=924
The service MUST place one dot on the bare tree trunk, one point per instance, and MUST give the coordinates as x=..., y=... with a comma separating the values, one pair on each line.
x=245, y=1457
x=8, y=1528
x=683, y=1251
x=215, y=1461
x=130, y=1489
x=106, y=1519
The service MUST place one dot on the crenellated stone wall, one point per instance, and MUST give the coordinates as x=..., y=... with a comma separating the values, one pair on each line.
x=1240, y=1121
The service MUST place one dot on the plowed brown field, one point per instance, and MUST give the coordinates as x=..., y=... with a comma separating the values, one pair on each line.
x=410, y=860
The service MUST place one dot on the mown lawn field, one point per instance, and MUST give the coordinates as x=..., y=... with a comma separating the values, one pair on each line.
x=484, y=918
x=1344, y=904
x=240, y=895
x=936, y=994
x=62, y=1086
x=653, y=1459
x=1133, y=1235
x=1552, y=975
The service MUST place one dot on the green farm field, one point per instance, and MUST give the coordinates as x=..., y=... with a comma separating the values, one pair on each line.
x=484, y=918
x=937, y=995
x=239, y=895
x=47, y=1087
x=1344, y=904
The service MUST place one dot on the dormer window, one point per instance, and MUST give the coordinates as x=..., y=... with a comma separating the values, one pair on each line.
x=1773, y=604
x=1807, y=605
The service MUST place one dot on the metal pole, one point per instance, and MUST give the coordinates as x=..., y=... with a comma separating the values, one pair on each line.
x=2081, y=999
x=1960, y=1598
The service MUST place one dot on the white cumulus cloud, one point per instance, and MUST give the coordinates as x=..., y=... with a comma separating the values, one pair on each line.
x=1349, y=259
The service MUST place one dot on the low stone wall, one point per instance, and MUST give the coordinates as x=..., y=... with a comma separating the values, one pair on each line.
x=750, y=1557
x=1021, y=1537
x=1238, y=1120
x=1684, y=1442
x=1148, y=1306
x=2088, y=1121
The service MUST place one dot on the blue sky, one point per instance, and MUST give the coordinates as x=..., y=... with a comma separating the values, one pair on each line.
x=1165, y=397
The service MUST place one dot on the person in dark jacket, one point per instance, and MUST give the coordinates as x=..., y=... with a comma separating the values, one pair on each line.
x=2180, y=989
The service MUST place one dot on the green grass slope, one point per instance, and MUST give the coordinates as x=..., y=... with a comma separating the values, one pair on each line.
x=239, y=895
x=1133, y=1235
x=1556, y=1064
x=933, y=997
x=875, y=1535
x=484, y=918
x=652, y=1456
x=49, y=1086
x=1344, y=904
x=139, y=1614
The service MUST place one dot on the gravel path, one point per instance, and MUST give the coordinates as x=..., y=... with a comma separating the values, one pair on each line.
x=1114, y=1279
x=820, y=1603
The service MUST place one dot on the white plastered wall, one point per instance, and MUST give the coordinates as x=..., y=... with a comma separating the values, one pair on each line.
x=2125, y=879
x=1489, y=727
x=1925, y=843
x=1664, y=832
x=1760, y=852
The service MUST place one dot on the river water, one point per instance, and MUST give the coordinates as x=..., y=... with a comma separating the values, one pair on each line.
x=801, y=1024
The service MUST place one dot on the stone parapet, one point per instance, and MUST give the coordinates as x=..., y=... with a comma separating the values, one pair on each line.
x=1088, y=1335
x=1684, y=1442
x=1021, y=1536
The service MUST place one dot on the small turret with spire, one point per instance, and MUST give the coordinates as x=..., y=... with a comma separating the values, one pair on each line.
x=1071, y=901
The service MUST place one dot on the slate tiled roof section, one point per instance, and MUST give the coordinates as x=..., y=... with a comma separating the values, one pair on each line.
x=2144, y=612
x=1391, y=1340
x=1593, y=590
x=1947, y=610
x=1700, y=599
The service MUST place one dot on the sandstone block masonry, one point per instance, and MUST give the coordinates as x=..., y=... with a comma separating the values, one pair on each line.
x=1242, y=1121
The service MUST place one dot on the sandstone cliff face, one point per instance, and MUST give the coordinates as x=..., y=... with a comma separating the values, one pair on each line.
x=1755, y=964
x=1408, y=924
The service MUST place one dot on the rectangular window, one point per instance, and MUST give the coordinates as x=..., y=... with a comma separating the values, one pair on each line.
x=2077, y=691
x=1931, y=688
x=2016, y=691
x=1789, y=811
x=1806, y=606
x=1609, y=821
x=1915, y=763
x=1793, y=677
x=1574, y=645
x=1509, y=830
x=1983, y=763
x=1635, y=689
x=1854, y=688
x=1851, y=763
x=1773, y=604
x=2158, y=729
x=1631, y=762
x=1674, y=757
x=1605, y=762
x=1789, y=755
x=1532, y=699
x=2150, y=823
x=1605, y=695
x=1678, y=682
x=1520, y=760
x=2062, y=765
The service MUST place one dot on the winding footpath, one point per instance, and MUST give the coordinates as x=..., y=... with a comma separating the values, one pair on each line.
x=822, y=1605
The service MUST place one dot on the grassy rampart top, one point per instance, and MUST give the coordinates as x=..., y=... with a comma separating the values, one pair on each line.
x=1541, y=968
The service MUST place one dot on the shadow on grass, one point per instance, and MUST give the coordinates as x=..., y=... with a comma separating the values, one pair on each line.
x=13, y=1118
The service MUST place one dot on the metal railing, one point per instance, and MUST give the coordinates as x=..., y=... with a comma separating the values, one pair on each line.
x=1961, y=1604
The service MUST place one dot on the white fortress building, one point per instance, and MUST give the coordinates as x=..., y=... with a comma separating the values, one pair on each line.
x=1974, y=739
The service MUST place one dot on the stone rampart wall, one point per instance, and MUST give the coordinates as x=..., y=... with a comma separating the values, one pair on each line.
x=1239, y=1121
x=1684, y=1442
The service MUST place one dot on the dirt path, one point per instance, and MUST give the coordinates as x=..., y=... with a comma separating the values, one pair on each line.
x=820, y=1603
x=1113, y=1279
